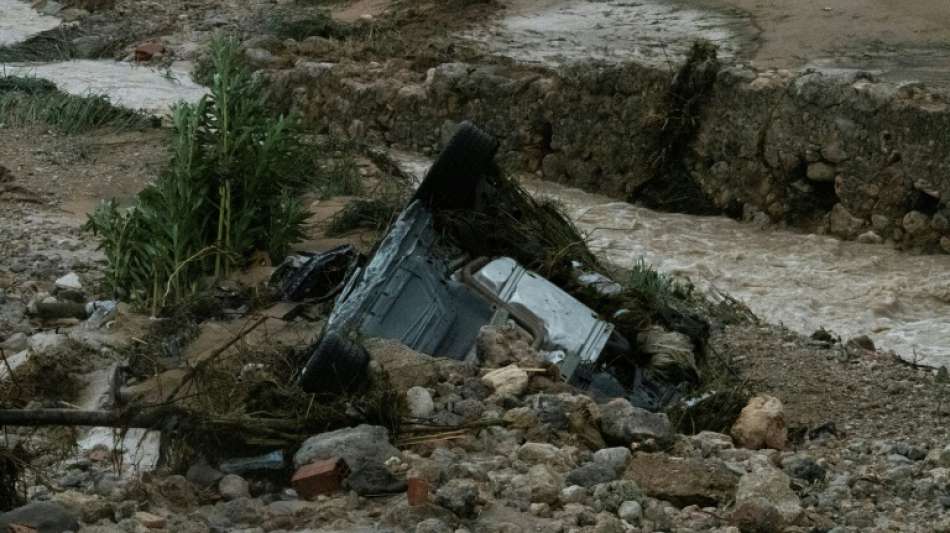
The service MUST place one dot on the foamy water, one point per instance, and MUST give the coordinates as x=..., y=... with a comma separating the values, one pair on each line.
x=19, y=21
x=805, y=282
x=557, y=32
x=128, y=85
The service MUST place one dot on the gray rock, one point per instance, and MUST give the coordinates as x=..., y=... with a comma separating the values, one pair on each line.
x=909, y=451
x=47, y=341
x=609, y=496
x=203, y=475
x=358, y=446
x=821, y=172
x=573, y=494
x=622, y=423
x=803, y=467
x=433, y=525
x=16, y=342
x=843, y=223
x=420, y=402
x=69, y=281
x=870, y=237
x=539, y=452
x=539, y=485
x=591, y=474
x=774, y=486
x=45, y=517
x=756, y=515
x=233, y=487
x=459, y=496
x=374, y=479
x=616, y=458
x=260, y=58
x=916, y=223
x=630, y=512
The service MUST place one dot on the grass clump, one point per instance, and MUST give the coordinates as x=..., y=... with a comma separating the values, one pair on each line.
x=27, y=101
x=229, y=190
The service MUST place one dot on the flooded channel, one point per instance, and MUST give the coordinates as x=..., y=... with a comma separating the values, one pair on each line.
x=804, y=282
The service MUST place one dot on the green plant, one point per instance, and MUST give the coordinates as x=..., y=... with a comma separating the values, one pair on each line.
x=26, y=101
x=229, y=190
x=657, y=287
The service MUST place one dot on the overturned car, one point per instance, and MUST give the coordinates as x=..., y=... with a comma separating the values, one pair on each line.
x=466, y=252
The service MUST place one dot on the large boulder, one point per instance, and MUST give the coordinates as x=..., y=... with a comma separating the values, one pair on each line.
x=358, y=446
x=761, y=424
x=682, y=482
x=621, y=423
x=408, y=368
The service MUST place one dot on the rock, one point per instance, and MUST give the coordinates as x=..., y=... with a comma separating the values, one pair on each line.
x=203, y=475
x=508, y=381
x=591, y=474
x=621, y=423
x=772, y=485
x=870, y=237
x=573, y=494
x=73, y=14
x=405, y=518
x=756, y=515
x=609, y=496
x=863, y=342
x=459, y=496
x=911, y=452
x=834, y=153
x=149, y=520
x=47, y=341
x=942, y=457
x=945, y=244
x=15, y=343
x=710, y=442
x=915, y=223
x=498, y=346
x=148, y=51
x=233, y=487
x=843, y=223
x=616, y=458
x=358, y=446
x=45, y=517
x=316, y=46
x=608, y=523
x=433, y=525
x=539, y=452
x=89, y=508
x=69, y=281
x=630, y=512
x=407, y=368
x=539, y=485
x=260, y=58
x=420, y=402
x=682, y=481
x=803, y=467
x=821, y=172
x=761, y=424
x=374, y=479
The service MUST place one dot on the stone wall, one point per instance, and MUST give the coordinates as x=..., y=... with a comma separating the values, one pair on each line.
x=844, y=155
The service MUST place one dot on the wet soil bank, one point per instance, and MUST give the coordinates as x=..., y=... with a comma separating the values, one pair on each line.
x=827, y=152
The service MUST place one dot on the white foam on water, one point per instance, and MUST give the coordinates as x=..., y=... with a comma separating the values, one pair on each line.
x=19, y=21
x=126, y=84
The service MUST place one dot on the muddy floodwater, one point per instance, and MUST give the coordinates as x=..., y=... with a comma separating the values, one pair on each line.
x=19, y=21
x=803, y=281
x=556, y=32
x=126, y=84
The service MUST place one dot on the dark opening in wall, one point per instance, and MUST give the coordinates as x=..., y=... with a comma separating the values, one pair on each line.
x=808, y=201
x=547, y=134
x=926, y=204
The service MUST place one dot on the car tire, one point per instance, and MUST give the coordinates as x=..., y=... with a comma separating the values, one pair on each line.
x=336, y=365
x=452, y=181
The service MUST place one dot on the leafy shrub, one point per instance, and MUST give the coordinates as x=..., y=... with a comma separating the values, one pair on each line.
x=230, y=190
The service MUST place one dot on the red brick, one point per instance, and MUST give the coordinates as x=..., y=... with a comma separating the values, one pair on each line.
x=322, y=477
x=146, y=51
x=417, y=491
